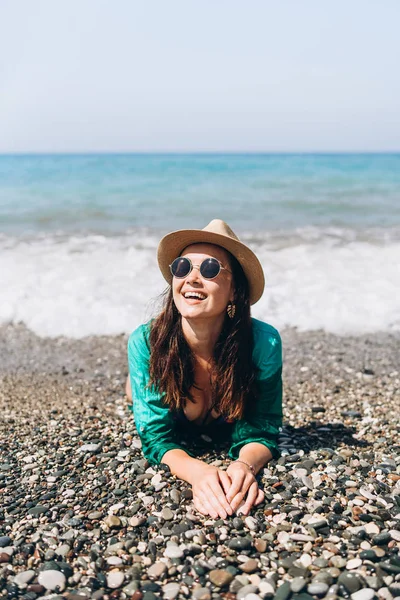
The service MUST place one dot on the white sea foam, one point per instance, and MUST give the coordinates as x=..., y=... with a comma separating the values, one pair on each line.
x=335, y=280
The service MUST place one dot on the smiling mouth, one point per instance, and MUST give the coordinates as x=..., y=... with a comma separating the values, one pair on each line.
x=194, y=296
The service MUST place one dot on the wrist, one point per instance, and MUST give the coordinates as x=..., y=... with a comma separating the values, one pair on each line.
x=248, y=465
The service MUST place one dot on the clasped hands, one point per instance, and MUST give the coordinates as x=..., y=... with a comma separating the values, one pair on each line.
x=221, y=493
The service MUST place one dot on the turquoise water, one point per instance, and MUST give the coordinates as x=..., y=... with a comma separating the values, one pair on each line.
x=112, y=194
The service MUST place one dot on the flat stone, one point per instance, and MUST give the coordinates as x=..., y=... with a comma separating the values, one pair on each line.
x=202, y=593
x=251, y=523
x=363, y=594
x=260, y=545
x=283, y=592
x=317, y=589
x=38, y=510
x=52, y=580
x=167, y=514
x=350, y=582
x=95, y=515
x=157, y=570
x=5, y=541
x=249, y=566
x=89, y=448
x=115, y=579
x=171, y=590
x=298, y=584
x=245, y=591
x=114, y=561
x=220, y=577
x=395, y=535
x=353, y=563
x=173, y=552
x=240, y=543
x=24, y=577
x=266, y=588
x=112, y=521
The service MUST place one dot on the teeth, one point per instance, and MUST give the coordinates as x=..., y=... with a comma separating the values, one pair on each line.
x=195, y=295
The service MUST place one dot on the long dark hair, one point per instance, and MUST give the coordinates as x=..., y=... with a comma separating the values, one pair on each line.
x=233, y=372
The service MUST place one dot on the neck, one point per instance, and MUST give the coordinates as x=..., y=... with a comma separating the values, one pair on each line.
x=202, y=335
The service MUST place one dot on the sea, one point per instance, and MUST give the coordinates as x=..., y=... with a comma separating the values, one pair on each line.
x=79, y=233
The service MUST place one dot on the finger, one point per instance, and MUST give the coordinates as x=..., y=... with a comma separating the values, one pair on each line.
x=236, y=485
x=260, y=497
x=237, y=501
x=219, y=502
x=246, y=482
x=225, y=480
x=208, y=504
x=199, y=506
x=251, y=498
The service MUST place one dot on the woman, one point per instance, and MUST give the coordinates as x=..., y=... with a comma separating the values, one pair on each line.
x=204, y=362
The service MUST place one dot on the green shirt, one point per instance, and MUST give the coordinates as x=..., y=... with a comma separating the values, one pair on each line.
x=155, y=422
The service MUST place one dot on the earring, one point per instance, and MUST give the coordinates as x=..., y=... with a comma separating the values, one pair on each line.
x=231, y=309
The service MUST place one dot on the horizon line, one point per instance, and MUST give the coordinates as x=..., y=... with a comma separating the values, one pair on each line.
x=193, y=152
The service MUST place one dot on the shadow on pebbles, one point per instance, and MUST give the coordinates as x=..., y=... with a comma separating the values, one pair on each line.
x=83, y=515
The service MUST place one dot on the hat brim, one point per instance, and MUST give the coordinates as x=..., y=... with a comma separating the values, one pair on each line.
x=175, y=242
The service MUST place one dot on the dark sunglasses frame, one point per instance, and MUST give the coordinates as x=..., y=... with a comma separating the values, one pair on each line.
x=192, y=266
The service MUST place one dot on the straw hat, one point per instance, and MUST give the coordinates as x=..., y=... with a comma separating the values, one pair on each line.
x=219, y=233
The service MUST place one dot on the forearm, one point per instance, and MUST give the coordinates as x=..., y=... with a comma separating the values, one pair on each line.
x=255, y=454
x=182, y=465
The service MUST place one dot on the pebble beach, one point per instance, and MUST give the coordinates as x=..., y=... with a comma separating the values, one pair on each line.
x=83, y=515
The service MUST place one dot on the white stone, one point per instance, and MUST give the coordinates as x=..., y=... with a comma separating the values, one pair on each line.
x=173, y=552
x=147, y=500
x=115, y=579
x=371, y=528
x=89, y=448
x=395, y=535
x=251, y=523
x=114, y=561
x=156, y=479
x=353, y=563
x=283, y=537
x=170, y=590
x=113, y=510
x=52, y=580
x=23, y=578
x=364, y=594
x=266, y=588
x=305, y=560
x=366, y=494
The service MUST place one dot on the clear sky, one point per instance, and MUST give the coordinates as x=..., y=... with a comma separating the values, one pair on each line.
x=199, y=75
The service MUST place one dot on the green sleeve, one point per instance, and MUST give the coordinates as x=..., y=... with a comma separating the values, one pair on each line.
x=154, y=421
x=263, y=418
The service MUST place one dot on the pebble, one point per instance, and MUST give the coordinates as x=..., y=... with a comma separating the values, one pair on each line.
x=364, y=594
x=298, y=584
x=115, y=579
x=157, y=570
x=245, y=591
x=99, y=520
x=317, y=589
x=21, y=579
x=171, y=590
x=173, y=552
x=167, y=514
x=52, y=580
x=220, y=577
x=354, y=563
x=242, y=543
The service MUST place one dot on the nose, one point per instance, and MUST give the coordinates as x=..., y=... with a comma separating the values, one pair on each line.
x=194, y=275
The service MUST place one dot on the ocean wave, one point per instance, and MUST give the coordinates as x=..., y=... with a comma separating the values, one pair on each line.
x=341, y=280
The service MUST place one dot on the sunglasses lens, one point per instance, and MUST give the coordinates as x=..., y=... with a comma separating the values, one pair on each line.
x=180, y=267
x=210, y=268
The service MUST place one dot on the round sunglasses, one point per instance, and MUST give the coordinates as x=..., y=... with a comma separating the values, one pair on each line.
x=209, y=268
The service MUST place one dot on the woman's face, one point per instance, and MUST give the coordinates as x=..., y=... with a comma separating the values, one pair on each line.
x=215, y=293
